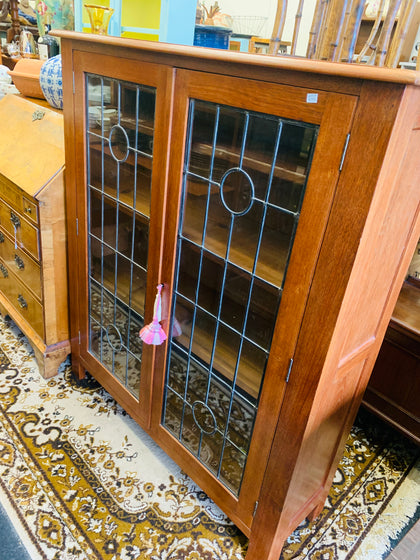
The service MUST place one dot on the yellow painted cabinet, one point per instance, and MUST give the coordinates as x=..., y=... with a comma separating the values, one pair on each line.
x=165, y=20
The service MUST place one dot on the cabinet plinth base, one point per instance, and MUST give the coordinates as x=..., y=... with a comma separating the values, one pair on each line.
x=51, y=358
x=48, y=358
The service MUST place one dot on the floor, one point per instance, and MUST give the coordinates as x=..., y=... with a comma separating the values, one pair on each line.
x=409, y=547
x=11, y=545
x=13, y=549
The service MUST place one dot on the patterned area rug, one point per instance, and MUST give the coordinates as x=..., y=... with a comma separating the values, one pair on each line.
x=81, y=481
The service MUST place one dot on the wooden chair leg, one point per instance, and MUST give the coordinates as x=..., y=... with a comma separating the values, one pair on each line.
x=373, y=32
x=400, y=34
x=385, y=35
x=319, y=16
x=278, y=27
x=298, y=18
x=353, y=19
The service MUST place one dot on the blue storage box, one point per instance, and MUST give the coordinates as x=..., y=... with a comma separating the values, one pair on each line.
x=212, y=36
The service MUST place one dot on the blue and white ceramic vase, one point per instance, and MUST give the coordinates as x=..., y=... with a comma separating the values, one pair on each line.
x=51, y=80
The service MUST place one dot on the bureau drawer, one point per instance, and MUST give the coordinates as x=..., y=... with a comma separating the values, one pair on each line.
x=18, y=199
x=21, y=264
x=21, y=299
x=27, y=235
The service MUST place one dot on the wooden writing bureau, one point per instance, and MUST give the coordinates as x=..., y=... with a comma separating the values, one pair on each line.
x=33, y=258
x=277, y=201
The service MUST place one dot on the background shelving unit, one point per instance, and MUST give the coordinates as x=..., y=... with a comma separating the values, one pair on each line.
x=165, y=21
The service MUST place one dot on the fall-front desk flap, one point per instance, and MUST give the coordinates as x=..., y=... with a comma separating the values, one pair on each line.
x=31, y=143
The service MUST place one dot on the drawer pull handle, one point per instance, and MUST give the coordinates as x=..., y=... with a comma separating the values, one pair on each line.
x=28, y=210
x=22, y=301
x=14, y=219
x=1, y=238
x=4, y=270
x=19, y=262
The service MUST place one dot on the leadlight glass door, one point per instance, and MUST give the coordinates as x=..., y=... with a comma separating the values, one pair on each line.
x=251, y=175
x=122, y=222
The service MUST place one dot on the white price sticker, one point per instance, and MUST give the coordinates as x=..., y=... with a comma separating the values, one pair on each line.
x=311, y=98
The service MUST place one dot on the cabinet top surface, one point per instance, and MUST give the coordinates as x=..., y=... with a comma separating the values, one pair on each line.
x=32, y=149
x=355, y=71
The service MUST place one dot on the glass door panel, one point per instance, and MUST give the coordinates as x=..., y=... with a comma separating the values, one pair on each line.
x=120, y=134
x=243, y=185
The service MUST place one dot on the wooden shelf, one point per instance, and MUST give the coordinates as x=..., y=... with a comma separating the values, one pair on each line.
x=407, y=310
x=249, y=379
x=275, y=247
x=137, y=295
x=142, y=126
x=255, y=161
x=126, y=193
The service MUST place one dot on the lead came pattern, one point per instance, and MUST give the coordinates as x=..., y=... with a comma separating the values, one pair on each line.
x=244, y=180
x=119, y=139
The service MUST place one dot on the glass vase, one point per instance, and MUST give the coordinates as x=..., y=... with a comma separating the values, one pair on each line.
x=99, y=17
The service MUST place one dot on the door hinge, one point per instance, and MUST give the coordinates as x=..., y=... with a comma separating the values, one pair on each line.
x=79, y=337
x=77, y=226
x=289, y=370
x=255, y=508
x=74, y=85
x=343, y=155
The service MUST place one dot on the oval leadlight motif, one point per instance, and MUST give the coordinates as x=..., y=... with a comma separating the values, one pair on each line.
x=237, y=191
x=114, y=338
x=204, y=418
x=119, y=143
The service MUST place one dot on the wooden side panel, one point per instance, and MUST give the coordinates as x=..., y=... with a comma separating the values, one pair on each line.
x=388, y=240
x=54, y=259
x=71, y=204
x=296, y=477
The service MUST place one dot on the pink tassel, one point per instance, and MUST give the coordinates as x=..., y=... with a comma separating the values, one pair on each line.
x=176, y=327
x=153, y=333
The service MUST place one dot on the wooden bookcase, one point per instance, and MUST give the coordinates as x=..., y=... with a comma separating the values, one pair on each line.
x=277, y=202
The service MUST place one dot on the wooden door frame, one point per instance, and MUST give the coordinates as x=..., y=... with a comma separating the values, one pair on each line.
x=159, y=77
x=332, y=110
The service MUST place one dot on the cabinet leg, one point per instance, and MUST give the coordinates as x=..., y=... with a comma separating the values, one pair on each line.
x=79, y=371
x=312, y=515
x=267, y=549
